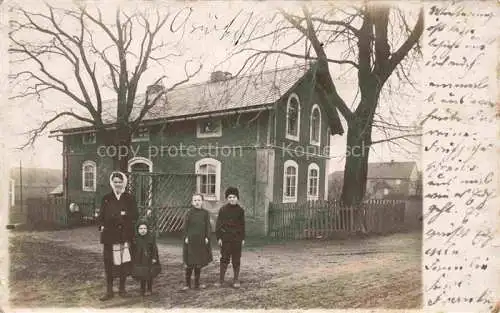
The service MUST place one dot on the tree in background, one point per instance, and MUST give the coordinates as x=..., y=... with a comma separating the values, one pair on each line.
x=102, y=54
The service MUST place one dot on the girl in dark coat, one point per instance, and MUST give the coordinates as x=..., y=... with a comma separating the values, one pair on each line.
x=197, y=251
x=116, y=220
x=146, y=261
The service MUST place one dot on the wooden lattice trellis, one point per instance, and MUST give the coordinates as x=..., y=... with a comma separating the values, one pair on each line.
x=168, y=196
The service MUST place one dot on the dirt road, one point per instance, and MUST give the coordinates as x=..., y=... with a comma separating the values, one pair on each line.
x=64, y=268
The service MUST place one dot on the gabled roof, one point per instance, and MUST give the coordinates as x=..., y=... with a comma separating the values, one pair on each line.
x=382, y=170
x=236, y=93
x=388, y=170
x=59, y=190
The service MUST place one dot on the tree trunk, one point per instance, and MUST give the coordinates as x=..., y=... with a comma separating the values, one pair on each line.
x=118, y=148
x=356, y=166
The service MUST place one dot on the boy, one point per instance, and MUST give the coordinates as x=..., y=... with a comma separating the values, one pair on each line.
x=230, y=233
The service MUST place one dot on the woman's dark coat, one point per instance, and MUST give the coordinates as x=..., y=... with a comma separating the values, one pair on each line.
x=117, y=228
x=196, y=229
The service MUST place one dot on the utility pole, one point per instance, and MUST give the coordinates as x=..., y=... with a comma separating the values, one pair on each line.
x=21, y=184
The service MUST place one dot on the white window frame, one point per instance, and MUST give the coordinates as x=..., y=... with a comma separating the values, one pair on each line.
x=287, y=135
x=290, y=199
x=86, y=142
x=310, y=197
x=311, y=140
x=94, y=172
x=149, y=163
x=200, y=134
x=217, y=165
x=136, y=138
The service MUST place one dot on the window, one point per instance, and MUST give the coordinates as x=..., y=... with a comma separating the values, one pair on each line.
x=141, y=184
x=293, y=118
x=313, y=182
x=398, y=181
x=141, y=134
x=208, y=178
x=386, y=191
x=88, y=138
x=209, y=128
x=88, y=176
x=290, y=180
x=315, y=125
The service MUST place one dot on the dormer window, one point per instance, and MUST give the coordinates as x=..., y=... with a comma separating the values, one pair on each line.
x=141, y=134
x=88, y=138
x=209, y=128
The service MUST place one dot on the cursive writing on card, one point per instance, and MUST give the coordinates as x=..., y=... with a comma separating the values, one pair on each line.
x=459, y=153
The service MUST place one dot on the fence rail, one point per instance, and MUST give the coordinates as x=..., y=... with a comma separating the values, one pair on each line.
x=326, y=218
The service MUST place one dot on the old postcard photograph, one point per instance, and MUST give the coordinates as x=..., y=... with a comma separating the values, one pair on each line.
x=249, y=155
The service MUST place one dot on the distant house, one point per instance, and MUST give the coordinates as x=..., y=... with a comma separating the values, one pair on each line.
x=385, y=180
x=36, y=183
x=265, y=134
x=57, y=192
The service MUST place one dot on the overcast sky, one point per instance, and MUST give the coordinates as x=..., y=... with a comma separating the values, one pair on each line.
x=210, y=49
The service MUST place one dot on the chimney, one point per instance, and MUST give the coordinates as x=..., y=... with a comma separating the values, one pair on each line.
x=153, y=90
x=219, y=76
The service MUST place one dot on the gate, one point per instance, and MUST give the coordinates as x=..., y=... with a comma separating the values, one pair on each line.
x=167, y=195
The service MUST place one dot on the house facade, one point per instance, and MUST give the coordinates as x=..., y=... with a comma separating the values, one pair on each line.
x=266, y=135
x=385, y=180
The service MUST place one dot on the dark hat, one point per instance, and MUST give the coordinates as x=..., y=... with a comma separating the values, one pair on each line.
x=232, y=191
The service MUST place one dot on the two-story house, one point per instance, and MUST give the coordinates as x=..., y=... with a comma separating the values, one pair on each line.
x=266, y=134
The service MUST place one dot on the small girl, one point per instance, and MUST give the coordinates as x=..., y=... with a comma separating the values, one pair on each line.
x=197, y=251
x=146, y=261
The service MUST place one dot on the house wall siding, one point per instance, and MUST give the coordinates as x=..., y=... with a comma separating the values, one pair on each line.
x=168, y=150
x=287, y=149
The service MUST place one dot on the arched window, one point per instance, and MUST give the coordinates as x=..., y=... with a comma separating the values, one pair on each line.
x=293, y=117
x=313, y=182
x=89, y=176
x=290, y=180
x=208, y=179
x=141, y=184
x=315, y=125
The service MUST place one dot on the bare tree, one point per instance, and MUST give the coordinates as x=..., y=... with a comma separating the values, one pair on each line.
x=373, y=40
x=102, y=54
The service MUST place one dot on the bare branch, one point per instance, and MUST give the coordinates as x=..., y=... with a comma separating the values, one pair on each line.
x=35, y=133
x=395, y=138
x=147, y=106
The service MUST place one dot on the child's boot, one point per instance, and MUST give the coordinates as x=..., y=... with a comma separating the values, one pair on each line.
x=222, y=273
x=189, y=272
x=236, y=281
x=197, y=274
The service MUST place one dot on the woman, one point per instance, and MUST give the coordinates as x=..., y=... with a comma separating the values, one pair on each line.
x=116, y=221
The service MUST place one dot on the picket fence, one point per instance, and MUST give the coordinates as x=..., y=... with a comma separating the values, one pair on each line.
x=323, y=219
x=46, y=212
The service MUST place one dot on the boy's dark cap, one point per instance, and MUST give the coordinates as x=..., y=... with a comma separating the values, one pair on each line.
x=232, y=191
